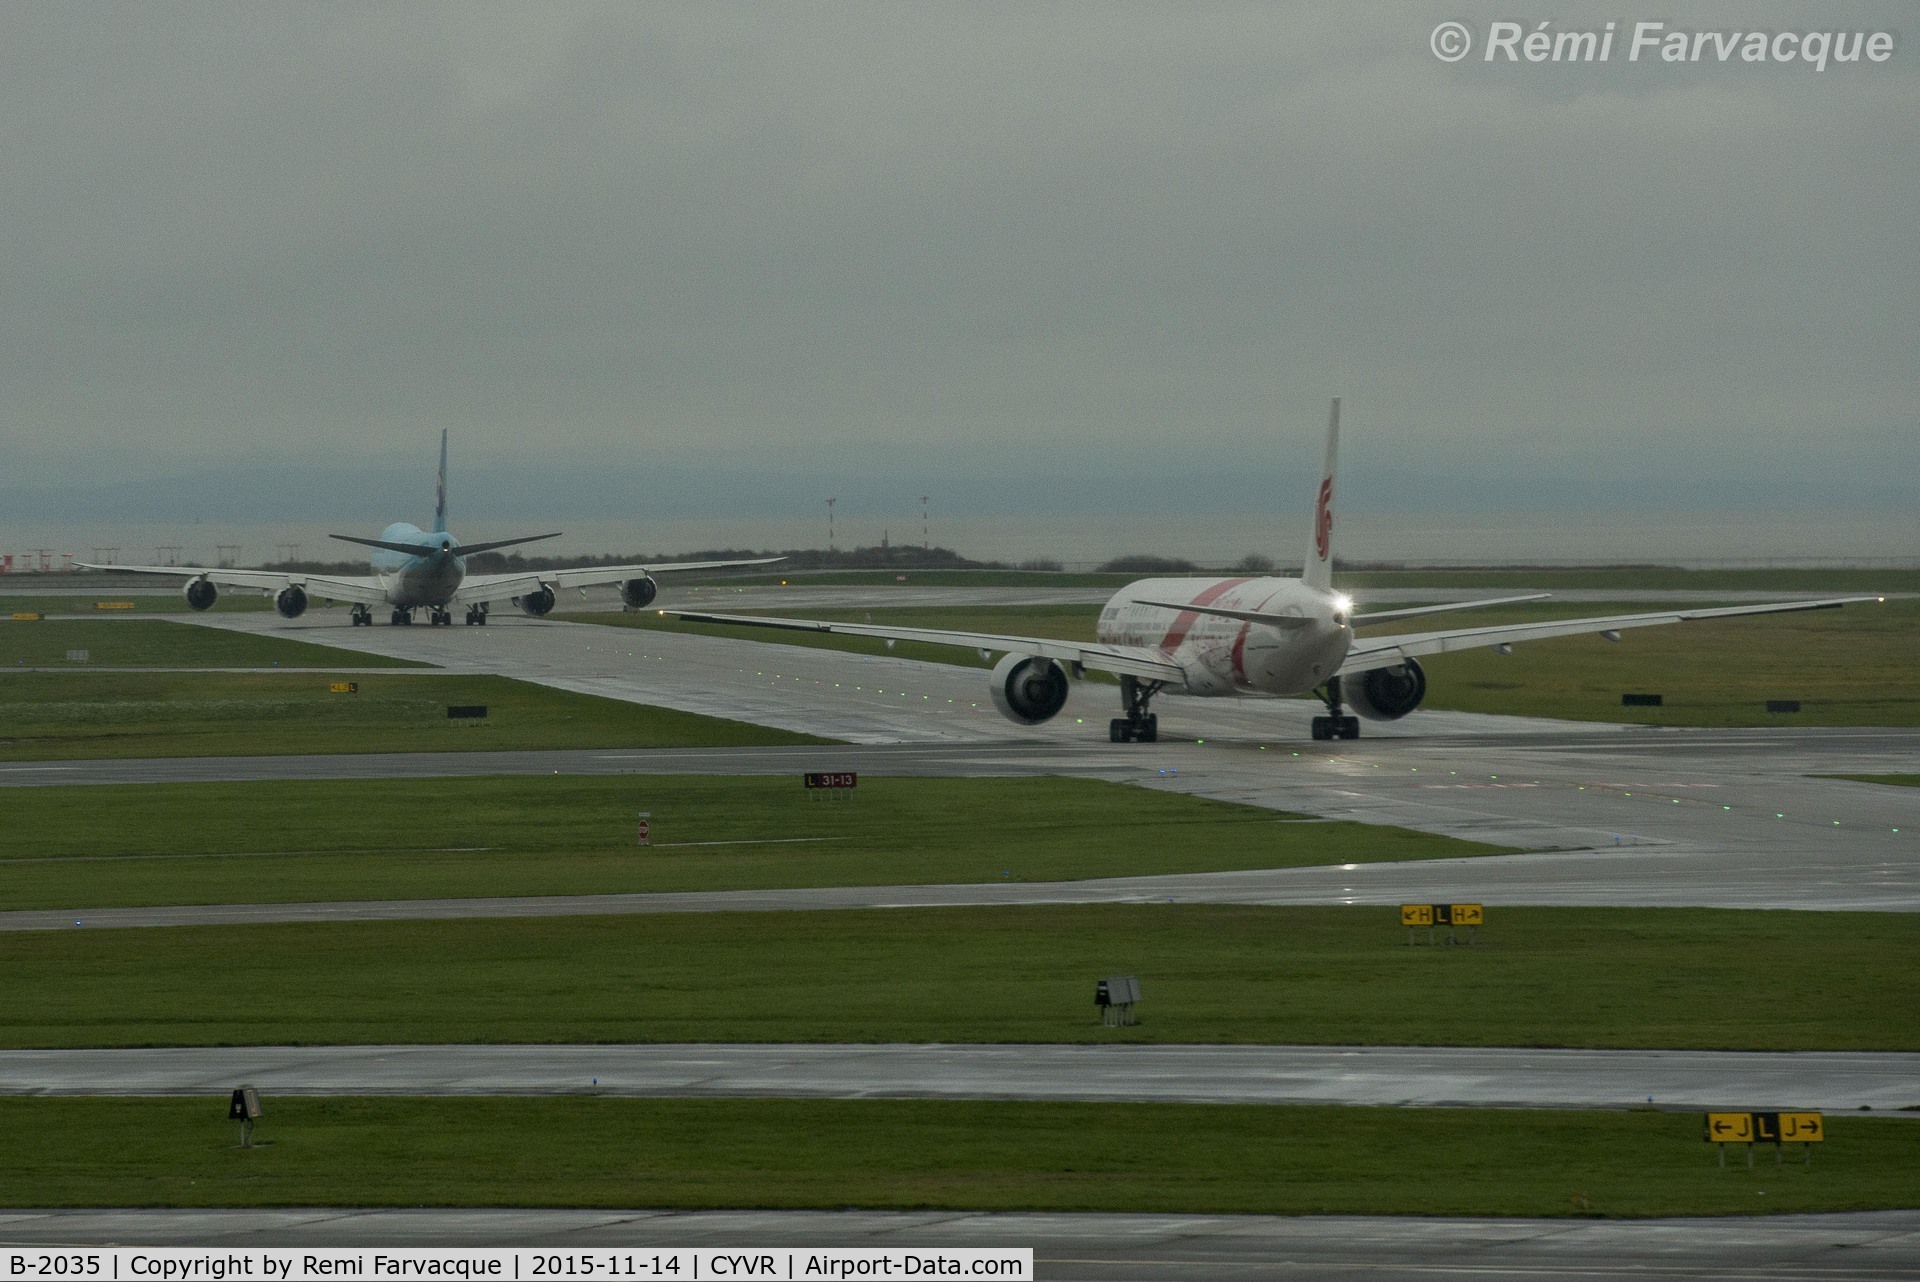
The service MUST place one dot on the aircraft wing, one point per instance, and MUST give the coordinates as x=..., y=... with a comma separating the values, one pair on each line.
x=1368, y=653
x=332, y=587
x=1124, y=660
x=501, y=587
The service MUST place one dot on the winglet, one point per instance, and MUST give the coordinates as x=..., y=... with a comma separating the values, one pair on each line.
x=440, y=490
x=1318, y=572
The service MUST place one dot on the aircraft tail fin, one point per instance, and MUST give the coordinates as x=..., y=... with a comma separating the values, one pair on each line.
x=440, y=489
x=1319, y=568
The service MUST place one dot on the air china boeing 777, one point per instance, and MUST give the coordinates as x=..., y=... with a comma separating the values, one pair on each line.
x=1248, y=636
x=424, y=569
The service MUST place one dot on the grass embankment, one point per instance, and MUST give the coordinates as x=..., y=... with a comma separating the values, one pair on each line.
x=158, y=643
x=1648, y=978
x=53, y=715
x=910, y=1154
x=1712, y=673
x=292, y=841
x=1897, y=781
x=121, y=602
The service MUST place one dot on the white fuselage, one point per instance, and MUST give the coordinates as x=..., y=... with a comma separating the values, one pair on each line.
x=1223, y=656
x=415, y=581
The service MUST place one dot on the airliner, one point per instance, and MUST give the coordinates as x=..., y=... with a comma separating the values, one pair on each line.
x=415, y=569
x=1263, y=636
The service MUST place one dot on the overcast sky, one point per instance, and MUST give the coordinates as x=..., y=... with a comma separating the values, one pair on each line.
x=728, y=259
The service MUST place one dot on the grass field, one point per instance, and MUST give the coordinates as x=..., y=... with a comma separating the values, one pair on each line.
x=97, y=847
x=1067, y=622
x=1898, y=781
x=909, y=1154
x=1581, y=678
x=1713, y=673
x=1658, y=978
x=122, y=601
x=157, y=643
x=56, y=715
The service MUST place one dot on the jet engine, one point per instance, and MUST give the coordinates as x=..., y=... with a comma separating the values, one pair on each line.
x=1027, y=689
x=292, y=602
x=1385, y=694
x=201, y=594
x=639, y=593
x=538, y=604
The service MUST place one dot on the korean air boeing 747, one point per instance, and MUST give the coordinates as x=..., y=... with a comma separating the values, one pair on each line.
x=1248, y=636
x=415, y=569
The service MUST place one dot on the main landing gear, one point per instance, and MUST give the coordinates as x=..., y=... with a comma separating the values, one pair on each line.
x=362, y=617
x=401, y=618
x=440, y=618
x=477, y=616
x=1335, y=725
x=1139, y=725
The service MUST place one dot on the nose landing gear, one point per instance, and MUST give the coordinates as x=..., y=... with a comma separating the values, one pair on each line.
x=1139, y=725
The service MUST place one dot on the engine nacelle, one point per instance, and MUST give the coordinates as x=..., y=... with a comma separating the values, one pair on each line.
x=639, y=593
x=1028, y=690
x=201, y=594
x=292, y=602
x=1385, y=694
x=538, y=604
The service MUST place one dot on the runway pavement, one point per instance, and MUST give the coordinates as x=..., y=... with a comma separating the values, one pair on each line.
x=1122, y=1248
x=1370, y=1076
x=1711, y=818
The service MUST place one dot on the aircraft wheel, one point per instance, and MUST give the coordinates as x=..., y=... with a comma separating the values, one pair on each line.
x=1119, y=730
x=1149, y=731
x=402, y=617
x=1349, y=727
x=1323, y=727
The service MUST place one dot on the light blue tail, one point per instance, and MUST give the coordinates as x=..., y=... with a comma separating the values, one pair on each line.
x=440, y=490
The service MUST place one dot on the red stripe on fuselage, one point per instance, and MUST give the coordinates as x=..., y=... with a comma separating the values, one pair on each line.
x=1184, y=621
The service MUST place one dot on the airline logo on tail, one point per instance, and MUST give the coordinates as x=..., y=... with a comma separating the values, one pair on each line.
x=1323, y=519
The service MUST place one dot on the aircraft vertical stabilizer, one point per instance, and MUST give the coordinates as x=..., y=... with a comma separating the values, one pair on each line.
x=1318, y=572
x=440, y=489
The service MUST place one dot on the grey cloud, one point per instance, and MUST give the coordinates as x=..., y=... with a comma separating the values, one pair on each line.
x=1025, y=254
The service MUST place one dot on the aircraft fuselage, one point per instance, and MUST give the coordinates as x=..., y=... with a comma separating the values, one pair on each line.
x=1224, y=656
x=413, y=582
